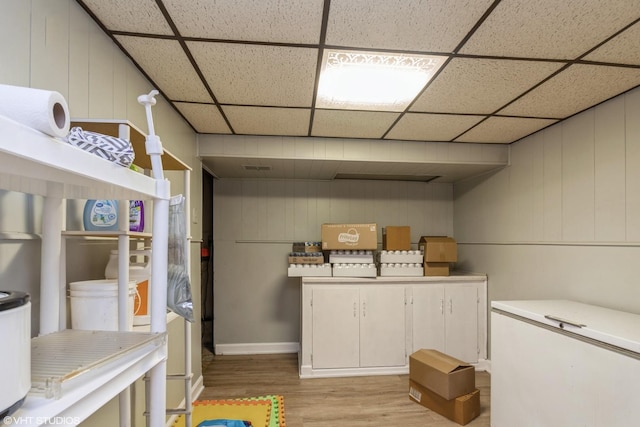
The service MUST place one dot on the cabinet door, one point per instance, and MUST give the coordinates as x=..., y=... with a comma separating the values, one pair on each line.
x=335, y=327
x=382, y=326
x=461, y=321
x=428, y=317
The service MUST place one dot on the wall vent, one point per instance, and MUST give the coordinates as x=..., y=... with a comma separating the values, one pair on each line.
x=256, y=168
x=416, y=178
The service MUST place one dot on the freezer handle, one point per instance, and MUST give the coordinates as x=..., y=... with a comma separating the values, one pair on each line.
x=562, y=321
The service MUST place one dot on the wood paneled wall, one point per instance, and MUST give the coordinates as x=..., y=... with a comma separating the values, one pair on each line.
x=563, y=220
x=255, y=222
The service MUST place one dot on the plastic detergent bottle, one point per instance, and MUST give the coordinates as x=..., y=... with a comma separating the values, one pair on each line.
x=101, y=215
x=136, y=215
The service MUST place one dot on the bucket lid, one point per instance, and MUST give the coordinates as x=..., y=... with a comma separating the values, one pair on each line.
x=98, y=285
x=13, y=299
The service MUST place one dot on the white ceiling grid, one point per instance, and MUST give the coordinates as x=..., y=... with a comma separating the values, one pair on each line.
x=250, y=67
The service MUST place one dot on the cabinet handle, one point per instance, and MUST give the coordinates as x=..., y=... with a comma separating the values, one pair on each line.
x=355, y=309
x=441, y=305
x=364, y=309
x=562, y=321
x=450, y=305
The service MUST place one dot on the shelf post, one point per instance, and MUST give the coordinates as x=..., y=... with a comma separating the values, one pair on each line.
x=50, y=269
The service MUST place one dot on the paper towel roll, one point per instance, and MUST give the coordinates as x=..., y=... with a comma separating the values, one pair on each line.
x=44, y=110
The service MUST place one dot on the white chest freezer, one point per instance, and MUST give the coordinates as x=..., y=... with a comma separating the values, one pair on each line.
x=563, y=363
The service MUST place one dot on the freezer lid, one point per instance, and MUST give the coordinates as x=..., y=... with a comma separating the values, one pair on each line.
x=613, y=327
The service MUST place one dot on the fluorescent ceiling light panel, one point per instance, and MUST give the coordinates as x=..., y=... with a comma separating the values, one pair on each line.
x=379, y=81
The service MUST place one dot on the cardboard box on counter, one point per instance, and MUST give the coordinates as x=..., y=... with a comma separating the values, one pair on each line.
x=349, y=236
x=396, y=238
x=436, y=268
x=306, y=258
x=444, y=375
x=462, y=409
x=308, y=247
x=438, y=249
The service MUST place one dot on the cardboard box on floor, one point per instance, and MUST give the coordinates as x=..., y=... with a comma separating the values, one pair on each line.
x=349, y=236
x=396, y=238
x=444, y=375
x=462, y=409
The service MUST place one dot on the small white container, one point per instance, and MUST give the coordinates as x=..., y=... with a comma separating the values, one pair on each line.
x=94, y=305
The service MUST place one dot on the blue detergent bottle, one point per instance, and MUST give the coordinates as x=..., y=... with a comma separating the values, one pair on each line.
x=100, y=215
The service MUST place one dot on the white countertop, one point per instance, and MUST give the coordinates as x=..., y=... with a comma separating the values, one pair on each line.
x=614, y=327
x=454, y=277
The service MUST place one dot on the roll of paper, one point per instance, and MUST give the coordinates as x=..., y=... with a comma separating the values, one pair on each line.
x=43, y=110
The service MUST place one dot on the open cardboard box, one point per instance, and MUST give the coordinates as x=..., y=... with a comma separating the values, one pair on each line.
x=441, y=373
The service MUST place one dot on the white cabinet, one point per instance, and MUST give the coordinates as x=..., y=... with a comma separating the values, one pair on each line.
x=445, y=318
x=563, y=363
x=361, y=326
x=365, y=326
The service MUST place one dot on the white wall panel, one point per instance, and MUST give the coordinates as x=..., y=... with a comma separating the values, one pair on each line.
x=578, y=178
x=552, y=184
x=50, y=46
x=632, y=163
x=101, y=51
x=79, y=30
x=521, y=193
x=15, y=42
x=609, y=182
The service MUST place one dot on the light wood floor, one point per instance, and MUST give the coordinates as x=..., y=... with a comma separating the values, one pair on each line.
x=375, y=401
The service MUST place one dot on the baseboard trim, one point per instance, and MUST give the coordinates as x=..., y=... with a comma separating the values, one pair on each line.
x=484, y=365
x=257, y=348
x=196, y=390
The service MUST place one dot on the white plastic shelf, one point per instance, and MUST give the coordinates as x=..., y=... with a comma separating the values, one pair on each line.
x=59, y=358
x=32, y=162
x=74, y=372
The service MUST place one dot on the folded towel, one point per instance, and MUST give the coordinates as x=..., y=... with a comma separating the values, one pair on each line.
x=108, y=147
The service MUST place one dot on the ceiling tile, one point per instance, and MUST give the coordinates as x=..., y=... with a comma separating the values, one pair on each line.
x=257, y=20
x=480, y=86
x=351, y=124
x=431, y=127
x=256, y=74
x=600, y=84
x=550, y=28
x=168, y=66
x=622, y=49
x=504, y=129
x=140, y=16
x=205, y=118
x=417, y=25
x=268, y=121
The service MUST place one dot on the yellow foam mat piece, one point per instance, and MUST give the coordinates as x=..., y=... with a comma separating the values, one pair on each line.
x=277, y=409
x=258, y=412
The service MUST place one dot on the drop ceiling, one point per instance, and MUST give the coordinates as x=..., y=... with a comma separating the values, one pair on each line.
x=246, y=68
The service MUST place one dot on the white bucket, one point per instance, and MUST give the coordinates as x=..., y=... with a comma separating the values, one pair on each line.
x=94, y=305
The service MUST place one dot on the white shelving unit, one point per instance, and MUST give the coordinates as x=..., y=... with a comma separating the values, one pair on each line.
x=125, y=129
x=32, y=162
